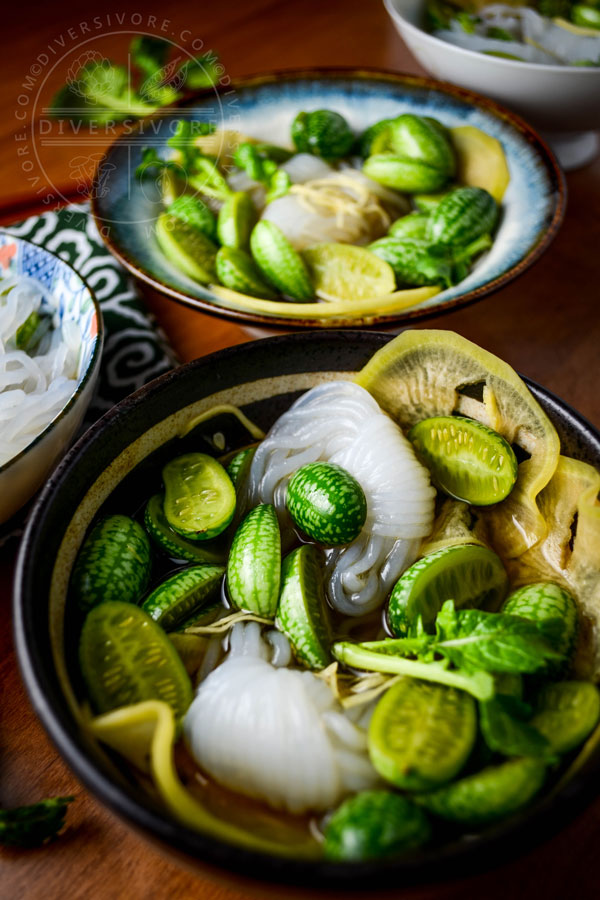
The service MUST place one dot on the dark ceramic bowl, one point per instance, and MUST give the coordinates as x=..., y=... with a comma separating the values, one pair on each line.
x=264, y=106
x=110, y=467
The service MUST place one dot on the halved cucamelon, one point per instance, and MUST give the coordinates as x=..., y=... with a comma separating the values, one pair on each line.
x=236, y=219
x=554, y=611
x=375, y=825
x=467, y=460
x=566, y=713
x=125, y=658
x=414, y=225
x=326, y=503
x=194, y=212
x=113, y=563
x=302, y=610
x=417, y=138
x=402, y=174
x=199, y=496
x=254, y=566
x=187, y=248
x=488, y=795
x=178, y=596
x=469, y=574
x=421, y=734
x=173, y=544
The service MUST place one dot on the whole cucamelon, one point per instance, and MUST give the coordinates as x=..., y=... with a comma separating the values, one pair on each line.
x=279, y=263
x=566, y=712
x=113, y=564
x=413, y=261
x=323, y=132
x=462, y=216
x=179, y=596
x=327, y=503
x=254, y=565
x=554, y=611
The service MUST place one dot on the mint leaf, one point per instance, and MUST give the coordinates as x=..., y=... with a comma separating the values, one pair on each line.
x=254, y=160
x=149, y=54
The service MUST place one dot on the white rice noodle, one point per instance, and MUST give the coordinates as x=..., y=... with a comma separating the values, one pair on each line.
x=341, y=207
x=537, y=39
x=340, y=422
x=275, y=734
x=33, y=389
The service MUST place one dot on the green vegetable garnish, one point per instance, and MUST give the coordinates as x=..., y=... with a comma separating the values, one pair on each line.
x=322, y=132
x=32, y=826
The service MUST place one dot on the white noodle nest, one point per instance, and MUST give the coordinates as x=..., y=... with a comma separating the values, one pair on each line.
x=536, y=38
x=33, y=389
x=340, y=422
x=276, y=734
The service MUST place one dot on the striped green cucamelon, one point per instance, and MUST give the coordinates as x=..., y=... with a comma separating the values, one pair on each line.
x=375, y=825
x=413, y=261
x=279, y=263
x=417, y=138
x=194, y=212
x=488, y=795
x=554, y=611
x=421, y=734
x=414, y=225
x=238, y=272
x=173, y=544
x=186, y=248
x=180, y=595
x=322, y=132
x=409, y=175
x=239, y=467
x=236, y=219
x=126, y=658
x=566, y=712
x=113, y=563
x=302, y=612
x=199, y=496
x=462, y=216
x=326, y=503
x=254, y=566
x=471, y=575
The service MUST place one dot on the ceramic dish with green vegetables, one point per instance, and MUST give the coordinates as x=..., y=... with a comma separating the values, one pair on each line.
x=341, y=198
x=320, y=613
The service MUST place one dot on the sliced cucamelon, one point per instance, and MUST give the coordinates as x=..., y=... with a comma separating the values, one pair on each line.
x=402, y=174
x=237, y=271
x=302, y=610
x=469, y=574
x=323, y=132
x=375, y=825
x=187, y=248
x=206, y=615
x=462, y=216
x=365, y=141
x=553, y=610
x=254, y=566
x=239, y=467
x=467, y=460
x=113, y=563
x=488, y=795
x=417, y=138
x=421, y=734
x=326, y=503
x=280, y=264
x=126, y=658
x=566, y=713
x=236, y=219
x=178, y=596
x=199, y=496
x=173, y=544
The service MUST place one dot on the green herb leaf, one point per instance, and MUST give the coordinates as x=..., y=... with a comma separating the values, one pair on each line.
x=100, y=92
x=503, y=722
x=258, y=166
x=202, y=71
x=31, y=826
x=149, y=54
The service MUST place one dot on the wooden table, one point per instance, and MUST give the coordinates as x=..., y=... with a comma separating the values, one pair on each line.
x=546, y=325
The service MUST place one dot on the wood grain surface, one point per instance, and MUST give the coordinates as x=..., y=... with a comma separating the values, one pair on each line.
x=546, y=325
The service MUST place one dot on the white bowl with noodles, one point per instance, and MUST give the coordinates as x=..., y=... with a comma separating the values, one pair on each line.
x=64, y=373
x=563, y=102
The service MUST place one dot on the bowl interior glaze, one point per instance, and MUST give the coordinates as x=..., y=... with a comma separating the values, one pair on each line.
x=114, y=460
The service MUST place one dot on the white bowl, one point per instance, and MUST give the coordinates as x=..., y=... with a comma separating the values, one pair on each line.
x=72, y=300
x=561, y=101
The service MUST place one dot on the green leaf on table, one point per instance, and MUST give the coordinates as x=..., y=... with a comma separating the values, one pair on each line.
x=100, y=92
x=201, y=72
x=149, y=54
x=32, y=826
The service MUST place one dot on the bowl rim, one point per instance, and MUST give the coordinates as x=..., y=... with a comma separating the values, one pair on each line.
x=504, y=842
x=544, y=153
x=586, y=71
x=90, y=368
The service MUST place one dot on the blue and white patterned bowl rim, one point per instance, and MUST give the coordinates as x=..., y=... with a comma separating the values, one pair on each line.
x=71, y=298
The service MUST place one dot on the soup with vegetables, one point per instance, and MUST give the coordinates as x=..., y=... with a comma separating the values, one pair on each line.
x=371, y=631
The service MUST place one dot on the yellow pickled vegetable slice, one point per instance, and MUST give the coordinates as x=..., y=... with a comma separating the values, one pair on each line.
x=425, y=373
x=575, y=29
x=570, y=552
x=145, y=735
x=387, y=304
x=480, y=160
x=454, y=524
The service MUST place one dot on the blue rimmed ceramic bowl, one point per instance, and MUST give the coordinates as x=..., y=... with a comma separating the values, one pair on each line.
x=70, y=300
x=264, y=106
